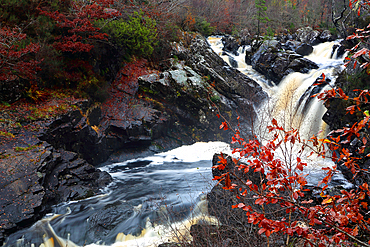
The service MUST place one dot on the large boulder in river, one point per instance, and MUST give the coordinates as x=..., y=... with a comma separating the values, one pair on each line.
x=327, y=36
x=245, y=37
x=304, y=49
x=308, y=35
x=275, y=63
x=230, y=44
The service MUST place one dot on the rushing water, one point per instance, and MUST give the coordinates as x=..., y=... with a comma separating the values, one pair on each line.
x=155, y=199
x=291, y=104
x=149, y=200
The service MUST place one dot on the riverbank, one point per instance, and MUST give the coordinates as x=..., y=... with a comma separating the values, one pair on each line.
x=34, y=175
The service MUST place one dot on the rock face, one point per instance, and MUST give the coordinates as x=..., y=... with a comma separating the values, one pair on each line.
x=34, y=176
x=337, y=117
x=162, y=110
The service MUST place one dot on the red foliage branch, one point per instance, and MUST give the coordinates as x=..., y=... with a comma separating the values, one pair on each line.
x=340, y=217
x=15, y=60
x=362, y=34
x=78, y=28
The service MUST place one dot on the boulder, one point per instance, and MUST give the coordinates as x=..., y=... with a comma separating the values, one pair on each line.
x=275, y=63
x=227, y=81
x=291, y=45
x=338, y=51
x=302, y=65
x=230, y=45
x=304, y=49
x=326, y=36
x=245, y=37
x=308, y=35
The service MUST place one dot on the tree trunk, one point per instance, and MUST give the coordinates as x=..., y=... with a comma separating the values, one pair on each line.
x=337, y=20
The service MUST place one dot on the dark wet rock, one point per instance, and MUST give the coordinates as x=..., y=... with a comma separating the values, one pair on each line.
x=302, y=65
x=231, y=89
x=268, y=46
x=339, y=50
x=326, y=36
x=337, y=117
x=304, y=49
x=37, y=177
x=275, y=63
x=245, y=37
x=230, y=45
x=171, y=108
x=96, y=137
x=73, y=132
x=291, y=45
x=104, y=223
x=233, y=62
x=308, y=35
x=306, y=98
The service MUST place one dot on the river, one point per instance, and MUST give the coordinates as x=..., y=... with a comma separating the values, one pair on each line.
x=156, y=199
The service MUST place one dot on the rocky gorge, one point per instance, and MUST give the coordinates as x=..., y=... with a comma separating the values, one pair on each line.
x=158, y=111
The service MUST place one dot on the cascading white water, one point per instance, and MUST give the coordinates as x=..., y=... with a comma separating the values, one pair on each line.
x=291, y=104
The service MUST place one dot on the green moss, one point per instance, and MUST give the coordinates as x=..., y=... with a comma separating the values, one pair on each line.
x=6, y=134
x=4, y=156
x=357, y=81
x=215, y=98
x=23, y=149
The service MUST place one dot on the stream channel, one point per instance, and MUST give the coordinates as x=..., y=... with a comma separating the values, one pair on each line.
x=156, y=199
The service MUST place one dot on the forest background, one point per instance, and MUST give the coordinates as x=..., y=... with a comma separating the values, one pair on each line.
x=80, y=45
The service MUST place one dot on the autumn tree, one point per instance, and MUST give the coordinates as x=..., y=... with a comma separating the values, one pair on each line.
x=16, y=60
x=77, y=28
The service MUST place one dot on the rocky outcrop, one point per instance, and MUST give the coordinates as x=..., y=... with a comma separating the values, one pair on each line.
x=275, y=62
x=162, y=110
x=304, y=49
x=34, y=176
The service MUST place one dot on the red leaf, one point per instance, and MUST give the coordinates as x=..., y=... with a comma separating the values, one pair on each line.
x=262, y=230
x=224, y=126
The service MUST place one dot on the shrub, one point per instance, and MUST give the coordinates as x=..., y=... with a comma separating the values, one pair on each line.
x=136, y=36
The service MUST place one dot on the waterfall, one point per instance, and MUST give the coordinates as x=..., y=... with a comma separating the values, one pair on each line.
x=291, y=102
